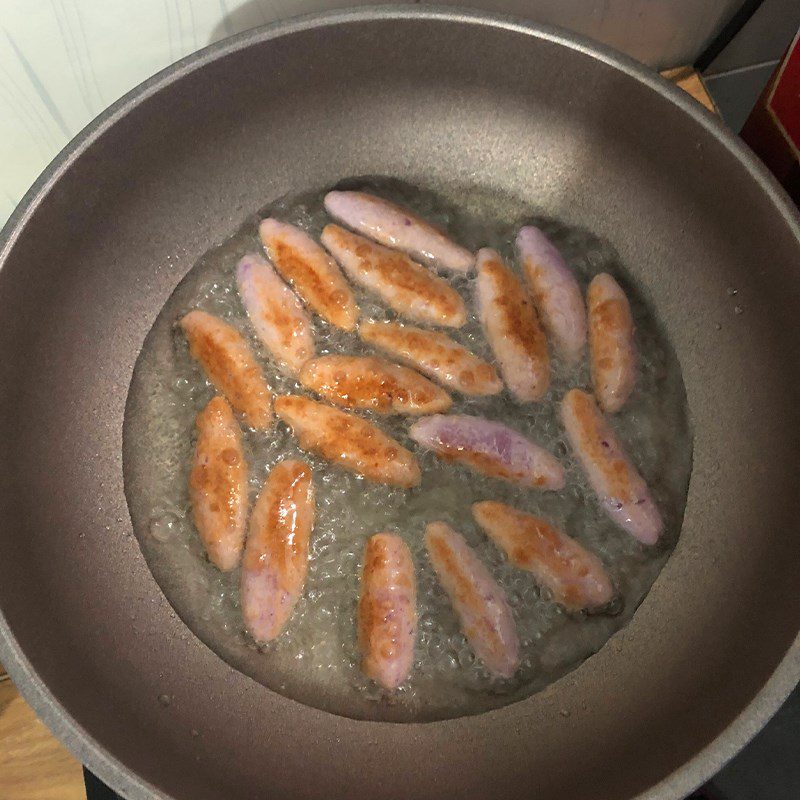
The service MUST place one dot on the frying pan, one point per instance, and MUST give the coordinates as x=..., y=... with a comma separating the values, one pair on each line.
x=435, y=98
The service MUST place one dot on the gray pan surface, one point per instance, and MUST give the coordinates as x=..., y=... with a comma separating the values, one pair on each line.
x=434, y=98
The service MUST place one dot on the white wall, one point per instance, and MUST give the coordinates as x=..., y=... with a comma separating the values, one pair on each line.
x=64, y=61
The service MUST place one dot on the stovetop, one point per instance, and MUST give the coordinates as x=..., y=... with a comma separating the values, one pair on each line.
x=767, y=769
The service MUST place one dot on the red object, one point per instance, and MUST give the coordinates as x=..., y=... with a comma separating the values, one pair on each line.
x=773, y=128
x=784, y=101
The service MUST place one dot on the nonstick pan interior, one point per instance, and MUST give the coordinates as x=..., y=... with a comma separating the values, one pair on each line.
x=435, y=99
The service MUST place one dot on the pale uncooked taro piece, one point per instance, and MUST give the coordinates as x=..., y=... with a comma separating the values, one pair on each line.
x=512, y=328
x=489, y=447
x=397, y=227
x=612, y=349
x=348, y=441
x=277, y=316
x=555, y=293
x=576, y=578
x=230, y=365
x=480, y=604
x=622, y=492
x=312, y=273
x=387, y=611
x=405, y=286
x=218, y=484
x=365, y=382
x=275, y=562
x=434, y=354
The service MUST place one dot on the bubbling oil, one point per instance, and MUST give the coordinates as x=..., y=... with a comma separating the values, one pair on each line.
x=315, y=660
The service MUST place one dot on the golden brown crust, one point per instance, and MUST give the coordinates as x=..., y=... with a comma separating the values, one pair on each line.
x=435, y=354
x=446, y=561
x=387, y=610
x=401, y=274
x=314, y=277
x=218, y=484
x=611, y=331
x=287, y=325
x=372, y=383
x=533, y=544
x=282, y=523
x=230, y=365
x=593, y=430
x=349, y=441
x=518, y=315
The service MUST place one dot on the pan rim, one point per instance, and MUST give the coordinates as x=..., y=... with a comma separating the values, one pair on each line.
x=787, y=673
